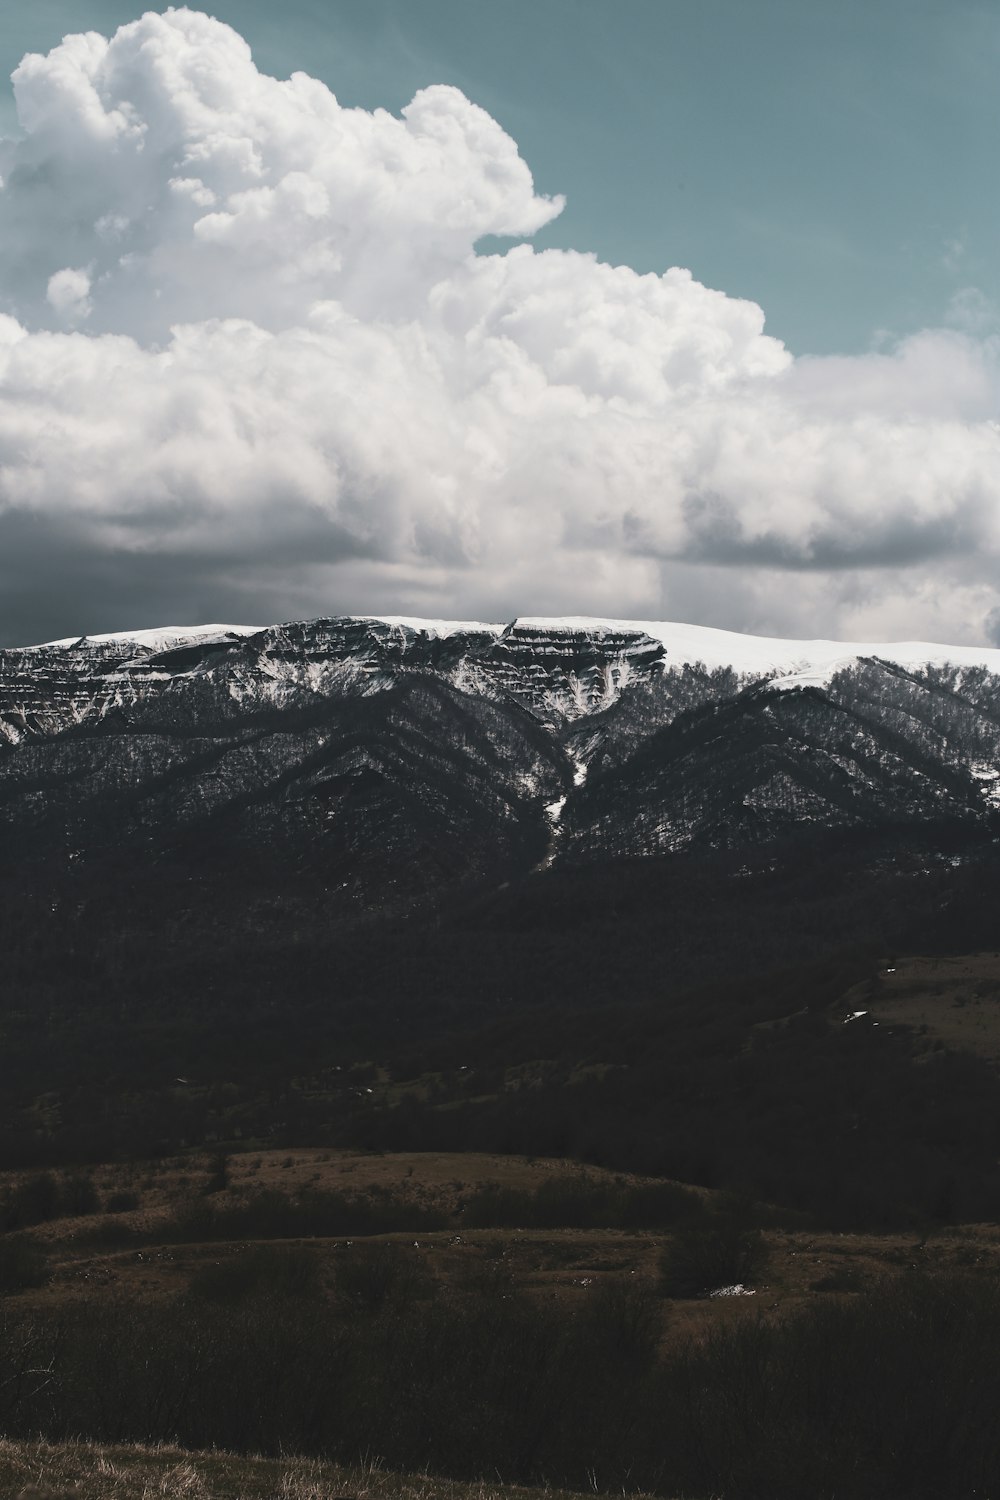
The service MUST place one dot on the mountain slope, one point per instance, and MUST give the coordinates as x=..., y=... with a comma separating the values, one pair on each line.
x=392, y=757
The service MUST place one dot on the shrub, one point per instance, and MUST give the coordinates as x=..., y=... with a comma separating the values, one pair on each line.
x=658, y=1205
x=107, y=1233
x=77, y=1196
x=34, y=1200
x=887, y=1395
x=41, y=1197
x=373, y=1276
x=263, y=1271
x=623, y=1322
x=121, y=1202
x=578, y=1201
x=726, y=1249
x=23, y=1264
x=218, y=1176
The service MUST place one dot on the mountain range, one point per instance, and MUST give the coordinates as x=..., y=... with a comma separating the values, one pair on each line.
x=595, y=888
x=393, y=756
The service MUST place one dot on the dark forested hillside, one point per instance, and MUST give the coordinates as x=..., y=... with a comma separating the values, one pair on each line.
x=390, y=763
x=352, y=882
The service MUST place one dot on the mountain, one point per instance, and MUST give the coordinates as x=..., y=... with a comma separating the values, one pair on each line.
x=392, y=757
x=596, y=888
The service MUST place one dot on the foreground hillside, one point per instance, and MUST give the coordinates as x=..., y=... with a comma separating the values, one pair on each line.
x=484, y=1319
x=88, y=1471
x=441, y=1223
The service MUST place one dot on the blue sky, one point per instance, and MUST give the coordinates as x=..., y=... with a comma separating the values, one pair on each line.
x=837, y=163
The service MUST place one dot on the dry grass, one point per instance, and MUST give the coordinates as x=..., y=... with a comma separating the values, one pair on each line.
x=440, y=1177
x=953, y=1001
x=83, y=1471
x=562, y=1264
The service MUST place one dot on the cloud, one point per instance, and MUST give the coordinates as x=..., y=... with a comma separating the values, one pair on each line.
x=196, y=187
x=252, y=364
x=973, y=312
x=68, y=293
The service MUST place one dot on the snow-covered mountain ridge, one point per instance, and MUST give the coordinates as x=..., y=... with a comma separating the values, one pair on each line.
x=562, y=667
x=390, y=749
x=753, y=655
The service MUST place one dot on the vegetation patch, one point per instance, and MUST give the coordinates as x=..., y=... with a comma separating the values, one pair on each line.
x=86, y=1471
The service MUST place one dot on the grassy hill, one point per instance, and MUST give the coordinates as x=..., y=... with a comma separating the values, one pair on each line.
x=486, y=1319
x=88, y=1471
x=553, y=1229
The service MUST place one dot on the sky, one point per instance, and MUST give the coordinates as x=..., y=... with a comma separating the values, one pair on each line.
x=664, y=309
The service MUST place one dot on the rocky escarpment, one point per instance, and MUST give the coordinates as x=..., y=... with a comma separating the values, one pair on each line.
x=46, y=690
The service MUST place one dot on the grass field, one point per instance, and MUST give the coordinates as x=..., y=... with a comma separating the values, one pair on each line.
x=85, y=1471
x=134, y=1253
x=519, y=1352
x=949, y=1001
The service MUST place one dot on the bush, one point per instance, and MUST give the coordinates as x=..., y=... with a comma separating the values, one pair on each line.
x=34, y=1200
x=42, y=1197
x=23, y=1264
x=107, y=1233
x=373, y=1276
x=891, y=1395
x=263, y=1271
x=121, y=1202
x=579, y=1201
x=726, y=1249
x=658, y=1205
x=218, y=1176
x=77, y=1197
x=623, y=1322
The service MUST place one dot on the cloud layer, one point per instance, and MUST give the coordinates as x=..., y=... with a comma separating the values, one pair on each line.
x=252, y=365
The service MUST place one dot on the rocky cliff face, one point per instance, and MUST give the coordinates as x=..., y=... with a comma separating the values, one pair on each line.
x=390, y=756
x=556, y=673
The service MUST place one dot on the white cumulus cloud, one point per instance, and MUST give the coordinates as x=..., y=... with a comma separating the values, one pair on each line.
x=68, y=293
x=252, y=363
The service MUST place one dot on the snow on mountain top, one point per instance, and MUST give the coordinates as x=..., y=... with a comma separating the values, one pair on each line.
x=792, y=663
x=788, y=663
x=435, y=627
x=166, y=638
